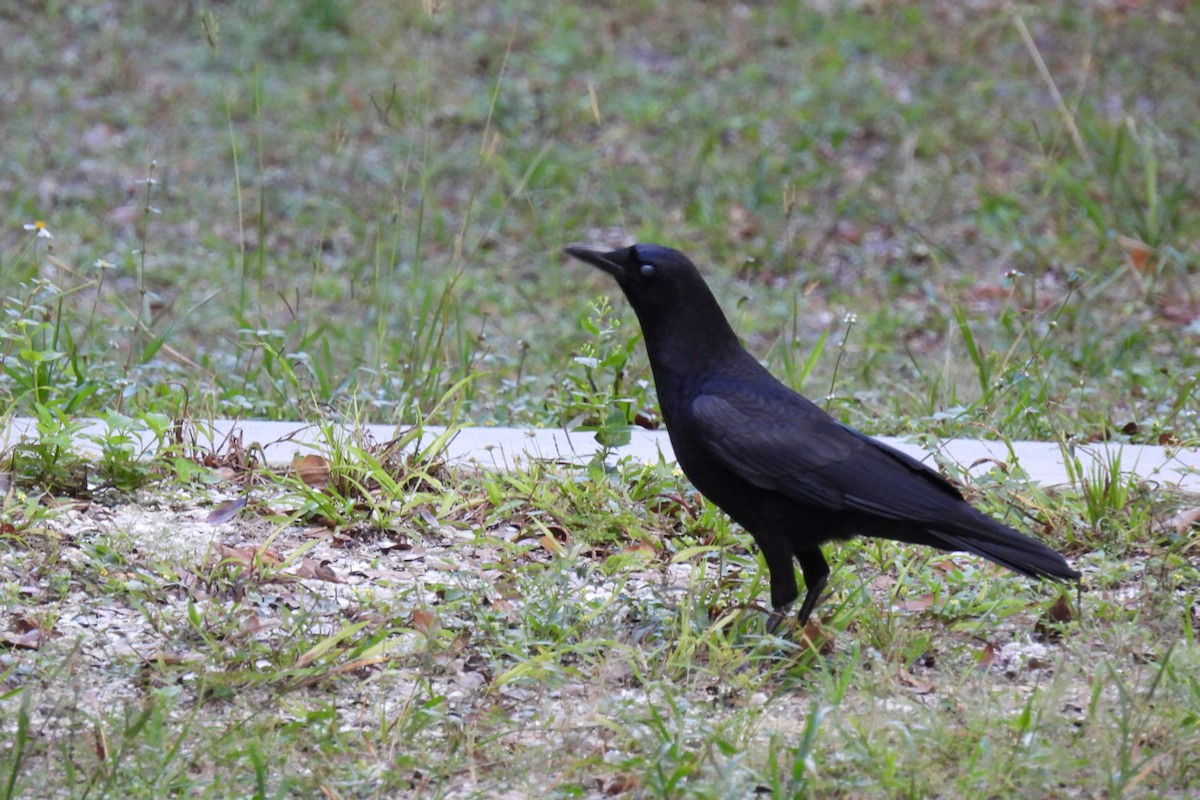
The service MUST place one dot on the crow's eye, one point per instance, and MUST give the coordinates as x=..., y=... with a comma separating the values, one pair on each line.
x=647, y=270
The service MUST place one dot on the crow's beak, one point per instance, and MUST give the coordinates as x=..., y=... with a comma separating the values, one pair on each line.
x=598, y=259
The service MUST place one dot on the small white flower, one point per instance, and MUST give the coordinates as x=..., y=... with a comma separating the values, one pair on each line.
x=850, y=318
x=1013, y=274
x=40, y=227
x=101, y=264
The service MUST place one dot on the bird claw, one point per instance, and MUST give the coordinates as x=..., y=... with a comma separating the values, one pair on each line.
x=775, y=617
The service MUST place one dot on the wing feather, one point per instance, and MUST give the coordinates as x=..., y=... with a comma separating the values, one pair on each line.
x=780, y=441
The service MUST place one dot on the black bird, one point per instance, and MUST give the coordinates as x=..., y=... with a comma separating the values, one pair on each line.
x=786, y=471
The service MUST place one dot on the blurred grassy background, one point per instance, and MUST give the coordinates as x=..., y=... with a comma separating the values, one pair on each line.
x=356, y=204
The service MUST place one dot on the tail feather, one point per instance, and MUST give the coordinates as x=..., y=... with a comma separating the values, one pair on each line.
x=1016, y=551
x=998, y=543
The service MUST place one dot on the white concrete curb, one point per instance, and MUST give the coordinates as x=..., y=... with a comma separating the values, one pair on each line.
x=506, y=447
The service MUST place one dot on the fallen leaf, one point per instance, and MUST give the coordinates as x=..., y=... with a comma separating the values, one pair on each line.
x=1060, y=612
x=817, y=638
x=622, y=784
x=161, y=658
x=65, y=503
x=388, y=544
x=641, y=547
x=100, y=743
x=248, y=556
x=320, y=570
x=252, y=624
x=1137, y=253
x=320, y=532
x=916, y=684
x=997, y=463
x=29, y=640
x=1050, y=624
x=424, y=621
x=1183, y=521
x=226, y=511
x=646, y=419
x=551, y=544
x=411, y=553
x=921, y=603
x=946, y=566
x=847, y=231
x=312, y=469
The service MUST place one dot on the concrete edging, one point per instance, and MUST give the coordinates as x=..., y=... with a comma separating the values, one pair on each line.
x=1177, y=468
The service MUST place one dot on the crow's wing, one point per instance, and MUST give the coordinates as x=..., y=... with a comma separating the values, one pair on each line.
x=777, y=440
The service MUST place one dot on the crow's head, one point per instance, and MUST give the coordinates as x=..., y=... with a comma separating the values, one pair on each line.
x=652, y=276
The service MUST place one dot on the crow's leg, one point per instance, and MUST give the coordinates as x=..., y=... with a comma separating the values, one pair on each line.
x=816, y=575
x=778, y=556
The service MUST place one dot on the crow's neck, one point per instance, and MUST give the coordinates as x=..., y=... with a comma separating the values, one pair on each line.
x=689, y=345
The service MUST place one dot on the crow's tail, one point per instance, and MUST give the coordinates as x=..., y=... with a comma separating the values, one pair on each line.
x=985, y=537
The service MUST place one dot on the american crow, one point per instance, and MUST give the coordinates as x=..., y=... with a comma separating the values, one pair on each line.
x=782, y=468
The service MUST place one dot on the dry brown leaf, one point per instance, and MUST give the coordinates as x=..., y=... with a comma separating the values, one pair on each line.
x=66, y=503
x=248, y=556
x=1050, y=624
x=817, y=638
x=742, y=223
x=321, y=532
x=647, y=419
x=621, y=784
x=558, y=532
x=642, y=547
x=847, y=231
x=918, y=685
x=1060, y=612
x=551, y=544
x=945, y=566
x=320, y=570
x=191, y=581
x=312, y=469
x=921, y=603
x=1183, y=521
x=100, y=743
x=383, y=574
x=155, y=659
x=358, y=664
x=1137, y=253
x=27, y=640
x=252, y=625
x=424, y=621
x=997, y=463
x=326, y=573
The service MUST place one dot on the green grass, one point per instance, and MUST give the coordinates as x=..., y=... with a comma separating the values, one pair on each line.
x=937, y=221
x=493, y=632
x=370, y=202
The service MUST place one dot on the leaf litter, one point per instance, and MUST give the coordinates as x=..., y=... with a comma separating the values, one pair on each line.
x=180, y=591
